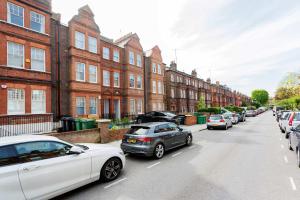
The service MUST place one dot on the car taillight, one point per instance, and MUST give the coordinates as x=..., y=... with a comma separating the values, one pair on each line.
x=208, y=120
x=291, y=119
x=145, y=139
x=222, y=120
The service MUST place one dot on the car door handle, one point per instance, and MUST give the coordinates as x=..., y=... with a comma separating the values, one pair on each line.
x=30, y=168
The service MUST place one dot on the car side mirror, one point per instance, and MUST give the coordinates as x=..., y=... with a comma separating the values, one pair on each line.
x=179, y=128
x=75, y=150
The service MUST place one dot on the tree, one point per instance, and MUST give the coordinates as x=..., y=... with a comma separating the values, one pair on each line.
x=292, y=79
x=289, y=86
x=201, y=103
x=260, y=96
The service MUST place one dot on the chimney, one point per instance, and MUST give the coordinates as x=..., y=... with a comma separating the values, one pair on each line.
x=194, y=73
x=218, y=83
x=173, y=66
x=208, y=80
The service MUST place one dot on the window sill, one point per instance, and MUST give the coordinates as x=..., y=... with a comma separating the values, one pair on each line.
x=23, y=27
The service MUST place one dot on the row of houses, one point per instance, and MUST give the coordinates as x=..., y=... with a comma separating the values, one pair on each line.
x=47, y=67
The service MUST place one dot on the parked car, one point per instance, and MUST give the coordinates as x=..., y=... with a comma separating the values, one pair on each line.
x=234, y=117
x=283, y=120
x=153, y=139
x=155, y=116
x=294, y=121
x=276, y=109
x=251, y=113
x=294, y=142
x=42, y=167
x=242, y=116
x=219, y=121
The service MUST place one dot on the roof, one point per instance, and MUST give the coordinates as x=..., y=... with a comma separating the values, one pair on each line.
x=106, y=39
x=25, y=138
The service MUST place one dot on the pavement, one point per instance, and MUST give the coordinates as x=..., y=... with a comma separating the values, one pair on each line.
x=250, y=161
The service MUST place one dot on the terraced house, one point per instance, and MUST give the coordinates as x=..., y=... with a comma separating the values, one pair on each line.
x=25, y=64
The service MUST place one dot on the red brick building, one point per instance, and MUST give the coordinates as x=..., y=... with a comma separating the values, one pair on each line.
x=132, y=74
x=25, y=64
x=84, y=64
x=154, y=80
x=111, y=71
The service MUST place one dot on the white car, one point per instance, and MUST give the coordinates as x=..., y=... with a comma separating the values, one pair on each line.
x=42, y=167
x=219, y=121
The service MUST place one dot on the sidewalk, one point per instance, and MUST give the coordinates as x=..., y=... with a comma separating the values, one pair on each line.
x=193, y=128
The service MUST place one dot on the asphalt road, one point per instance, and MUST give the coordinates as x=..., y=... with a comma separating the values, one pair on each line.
x=250, y=161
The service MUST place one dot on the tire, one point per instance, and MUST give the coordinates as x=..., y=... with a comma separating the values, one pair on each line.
x=159, y=151
x=111, y=170
x=189, y=140
x=286, y=135
x=290, y=146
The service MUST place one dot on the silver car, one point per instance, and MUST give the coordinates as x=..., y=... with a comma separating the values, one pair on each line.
x=219, y=121
x=153, y=139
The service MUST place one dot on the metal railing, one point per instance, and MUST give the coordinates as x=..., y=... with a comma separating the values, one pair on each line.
x=11, y=125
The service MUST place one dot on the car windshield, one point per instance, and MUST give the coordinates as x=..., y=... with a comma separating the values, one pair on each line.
x=216, y=117
x=169, y=114
x=138, y=130
x=82, y=146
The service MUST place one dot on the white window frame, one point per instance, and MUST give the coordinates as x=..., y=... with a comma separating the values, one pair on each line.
x=159, y=87
x=84, y=101
x=138, y=60
x=139, y=106
x=105, y=53
x=154, y=87
x=137, y=80
x=22, y=101
x=23, y=63
x=106, y=80
x=117, y=86
x=96, y=105
x=159, y=69
x=96, y=74
x=77, y=45
x=77, y=64
x=172, y=93
x=44, y=57
x=92, y=44
x=116, y=58
x=130, y=76
x=8, y=14
x=132, y=111
x=153, y=68
x=131, y=57
x=172, y=78
x=43, y=19
x=34, y=102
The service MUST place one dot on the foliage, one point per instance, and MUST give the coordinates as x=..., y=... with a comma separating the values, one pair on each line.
x=212, y=110
x=256, y=104
x=260, y=96
x=292, y=79
x=234, y=109
x=201, y=103
x=290, y=103
x=286, y=92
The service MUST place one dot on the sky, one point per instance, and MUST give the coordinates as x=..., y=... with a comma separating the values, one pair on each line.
x=244, y=44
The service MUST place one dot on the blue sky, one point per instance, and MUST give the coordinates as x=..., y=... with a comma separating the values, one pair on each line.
x=245, y=44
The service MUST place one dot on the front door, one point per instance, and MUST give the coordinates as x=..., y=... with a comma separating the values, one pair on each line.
x=106, y=108
x=117, y=108
x=48, y=169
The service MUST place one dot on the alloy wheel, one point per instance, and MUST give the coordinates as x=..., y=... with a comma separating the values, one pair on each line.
x=159, y=151
x=112, y=169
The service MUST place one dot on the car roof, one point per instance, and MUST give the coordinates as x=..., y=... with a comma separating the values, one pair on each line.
x=151, y=124
x=25, y=138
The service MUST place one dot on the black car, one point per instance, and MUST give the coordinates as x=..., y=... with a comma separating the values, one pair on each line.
x=156, y=116
x=294, y=142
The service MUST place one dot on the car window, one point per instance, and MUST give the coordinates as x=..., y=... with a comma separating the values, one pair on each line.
x=8, y=156
x=162, y=128
x=33, y=151
x=298, y=128
x=172, y=127
x=138, y=130
x=215, y=117
x=159, y=114
x=297, y=117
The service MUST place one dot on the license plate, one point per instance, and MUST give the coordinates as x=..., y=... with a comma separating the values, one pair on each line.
x=131, y=140
x=215, y=125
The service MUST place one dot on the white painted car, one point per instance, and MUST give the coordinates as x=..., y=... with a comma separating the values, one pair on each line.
x=42, y=167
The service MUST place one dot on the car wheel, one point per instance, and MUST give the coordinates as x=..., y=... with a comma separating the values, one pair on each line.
x=189, y=140
x=111, y=169
x=139, y=121
x=287, y=135
x=159, y=151
x=290, y=145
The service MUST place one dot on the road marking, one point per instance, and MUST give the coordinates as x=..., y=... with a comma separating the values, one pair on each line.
x=293, y=183
x=191, y=147
x=282, y=146
x=115, y=183
x=153, y=165
x=285, y=159
x=176, y=154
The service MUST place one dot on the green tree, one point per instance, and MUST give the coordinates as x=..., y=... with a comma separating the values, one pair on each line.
x=260, y=96
x=201, y=103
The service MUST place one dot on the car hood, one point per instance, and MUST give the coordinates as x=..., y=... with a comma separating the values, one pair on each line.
x=101, y=147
